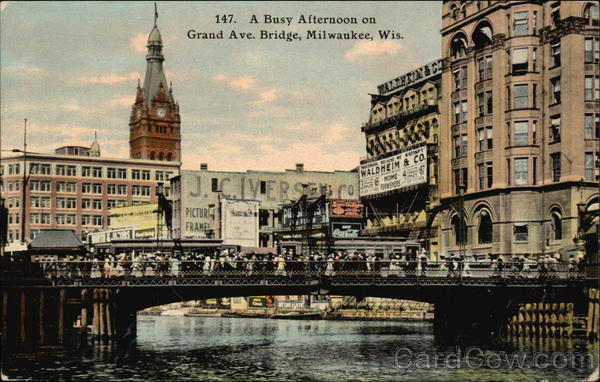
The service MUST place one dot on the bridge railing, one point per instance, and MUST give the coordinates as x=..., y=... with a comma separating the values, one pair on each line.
x=308, y=269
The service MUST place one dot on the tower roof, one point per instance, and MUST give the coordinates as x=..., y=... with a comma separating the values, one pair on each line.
x=155, y=75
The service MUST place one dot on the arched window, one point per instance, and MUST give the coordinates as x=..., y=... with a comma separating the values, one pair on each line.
x=458, y=47
x=454, y=12
x=590, y=13
x=152, y=155
x=463, y=11
x=161, y=156
x=556, y=220
x=169, y=157
x=482, y=37
x=459, y=229
x=484, y=231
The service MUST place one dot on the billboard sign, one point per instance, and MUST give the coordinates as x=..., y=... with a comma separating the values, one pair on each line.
x=320, y=217
x=408, y=168
x=261, y=302
x=346, y=208
x=345, y=230
x=239, y=222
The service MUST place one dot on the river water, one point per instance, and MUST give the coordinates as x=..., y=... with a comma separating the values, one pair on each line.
x=252, y=349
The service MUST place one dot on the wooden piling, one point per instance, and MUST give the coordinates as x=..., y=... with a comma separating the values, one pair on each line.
x=95, y=319
x=84, y=310
x=101, y=311
x=22, y=315
x=42, y=308
x=109, y=326
x=61, y=315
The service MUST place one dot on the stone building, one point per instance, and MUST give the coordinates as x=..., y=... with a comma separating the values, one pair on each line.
x=519, y=125
x=403, y=120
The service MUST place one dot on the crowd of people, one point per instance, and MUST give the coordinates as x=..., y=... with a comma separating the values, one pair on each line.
x=286, y=264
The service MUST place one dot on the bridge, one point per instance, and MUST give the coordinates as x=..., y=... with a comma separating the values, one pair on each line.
x=40, y=302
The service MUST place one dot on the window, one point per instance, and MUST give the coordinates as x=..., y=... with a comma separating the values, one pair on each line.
x=556, y=225
x=46, y=219
x=14, y=169
x=111, y=173
x=489, y=137
x=71, y=203
x=555, y=13
x=145, y=190
x=61, y=203
x=159, y=175
x=591, y=15
x=122, y=189
x=519, y=61
x=458, y=47
x=136, y=174
x=592, y=167
x=555, y=83
x=97, y=204
x=214, y=186
x=592, y=126
x=592, y=50
x=534, y=58
x=46, y=202
x=86, y=220
x=71, y=171
x=97, y=172
x=521, y=171
x=555, y=159
x=35, y=218
x=136, y=190
x=86, y=204
x=263, y=187
x=520, y=24
x=521, y=232
x=61, y=170
x=97, y=220
x=86, y=188
x=555, y=128
x=592, y=88
x=145, y=174
x=521, y=96
x=40, y=169
x=61, y=186
x=460, y=180
x=122, y=173
x=35, y=202
x=484, y=65
x=111, y=189
x=484, y=101
x=521, y=133
x=459, y=229
x=86, y=171
x=97, y=188
x=485, y=175
x=534, y=132
x=460, y=145
x=460, y=78
x=484, y=231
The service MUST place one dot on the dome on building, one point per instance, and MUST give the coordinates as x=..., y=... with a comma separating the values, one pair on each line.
x=95, y=147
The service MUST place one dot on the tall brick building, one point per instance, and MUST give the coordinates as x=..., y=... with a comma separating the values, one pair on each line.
x=519, y=125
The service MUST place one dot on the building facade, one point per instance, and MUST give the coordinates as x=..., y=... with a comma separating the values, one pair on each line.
x=193, y=192
x=399, y=176
x=519, y=125
x=75, y=191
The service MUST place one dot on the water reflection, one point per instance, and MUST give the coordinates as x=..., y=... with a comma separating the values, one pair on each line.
x=246, y=349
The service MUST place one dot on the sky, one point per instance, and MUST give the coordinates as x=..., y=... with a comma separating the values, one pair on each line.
x=71, y=69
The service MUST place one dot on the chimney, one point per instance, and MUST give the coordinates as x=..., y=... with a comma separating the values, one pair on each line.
x=299, y=167
x=203, y=166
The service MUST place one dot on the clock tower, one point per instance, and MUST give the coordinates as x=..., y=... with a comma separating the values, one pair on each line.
x=154, y=126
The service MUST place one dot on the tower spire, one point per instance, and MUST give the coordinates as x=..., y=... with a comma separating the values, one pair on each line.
x=155, y=14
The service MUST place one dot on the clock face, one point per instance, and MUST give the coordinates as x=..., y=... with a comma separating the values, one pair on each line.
x=161, y=112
